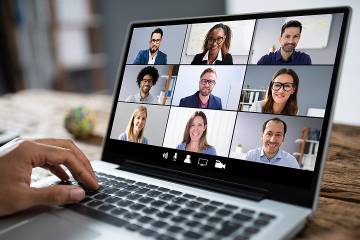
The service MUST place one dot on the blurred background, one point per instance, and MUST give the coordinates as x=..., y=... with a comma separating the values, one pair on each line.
x=76, y=45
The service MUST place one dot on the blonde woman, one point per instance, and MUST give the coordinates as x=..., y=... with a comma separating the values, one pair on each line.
x=135, y=128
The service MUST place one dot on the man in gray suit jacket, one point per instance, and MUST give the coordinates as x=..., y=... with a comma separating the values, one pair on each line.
x=152, y=55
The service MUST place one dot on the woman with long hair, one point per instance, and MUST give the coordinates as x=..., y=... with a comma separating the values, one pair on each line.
x=194, y=139
x=216, y=46
x=281, y=95
x=135, y=129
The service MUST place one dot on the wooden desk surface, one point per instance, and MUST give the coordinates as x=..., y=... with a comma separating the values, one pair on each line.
x=338, y=214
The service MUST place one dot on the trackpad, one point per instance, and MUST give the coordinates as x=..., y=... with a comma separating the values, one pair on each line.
x=48, y=226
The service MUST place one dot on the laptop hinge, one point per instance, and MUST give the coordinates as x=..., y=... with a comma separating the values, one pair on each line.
x=230, y=188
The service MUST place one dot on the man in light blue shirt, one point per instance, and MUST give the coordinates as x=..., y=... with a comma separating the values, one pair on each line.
x=273, y=136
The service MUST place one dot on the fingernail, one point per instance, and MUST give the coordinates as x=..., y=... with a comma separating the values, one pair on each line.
x=77, y=194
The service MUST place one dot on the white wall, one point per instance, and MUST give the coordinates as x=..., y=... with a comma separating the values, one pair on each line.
x=347, y=107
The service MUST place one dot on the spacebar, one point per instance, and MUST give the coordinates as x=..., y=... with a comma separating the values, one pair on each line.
x=97, y=215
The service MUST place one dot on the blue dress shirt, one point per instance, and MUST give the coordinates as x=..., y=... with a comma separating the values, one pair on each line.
x=281, y=158
x=210, y=150
x=274, y=58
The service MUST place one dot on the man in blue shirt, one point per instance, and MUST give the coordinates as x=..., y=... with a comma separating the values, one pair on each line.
x=152, y=55
x=203, y=98
x=273, y=136
x=286, y=55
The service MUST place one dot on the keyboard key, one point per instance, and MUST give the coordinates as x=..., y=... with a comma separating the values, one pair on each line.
x=189, y=196
x=192, y=223
x=122, y=193
x=178, y=219
x=175, y=229
x=231, y=207
x=242, y=217
x=266, y=216
x=247, y=211
x=119, y=185
x=86, y=199
x=163, y=214
x=131, y=188
x=158, y=203
x=145, y=219
x=208, y=228
x=186, y=211
x=200, y=215
x=147, y=232
x=141, y=184
x=228, y=228
x=164, y=237
x=241, y=237
x=101, y=196
x=137, y=206
x=142, y=190
x=133, y=227
x=261, y=222
x=172, y=207
x=150, y=210
x=133, y=196
x=153, y=193
x=162, y=189
x=119, y=211
x=152, y=186
x=201, y=199
x=123, y=203
x=166, y=196
x=94, y=203
x=110, y=190
x=159, y=224
x=193, y=204
x=131, y=215
x=223, y=212
x=193, y=235
x=179, y=200
x=208, y=208
x=177, y=193
x=214, y=220
x=216, y=203
x=145, y=199
x=112, y=199
x=129, y=181
x=250, y=231
x=106, y=207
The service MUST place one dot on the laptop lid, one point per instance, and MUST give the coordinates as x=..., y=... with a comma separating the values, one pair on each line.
x=239, y=104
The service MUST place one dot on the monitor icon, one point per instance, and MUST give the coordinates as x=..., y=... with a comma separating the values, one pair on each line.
x=202, y=162
x=219, y=164
x=187, y=159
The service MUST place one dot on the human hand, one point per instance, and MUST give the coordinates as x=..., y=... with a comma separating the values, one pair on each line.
x=16, y=167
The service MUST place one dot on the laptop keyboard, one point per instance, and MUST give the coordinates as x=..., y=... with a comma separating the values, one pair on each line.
x=167, y=214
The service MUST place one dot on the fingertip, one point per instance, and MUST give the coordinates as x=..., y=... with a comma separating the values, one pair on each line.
x=77, y=194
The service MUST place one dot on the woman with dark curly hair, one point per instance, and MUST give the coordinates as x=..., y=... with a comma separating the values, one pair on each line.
x=215, y=47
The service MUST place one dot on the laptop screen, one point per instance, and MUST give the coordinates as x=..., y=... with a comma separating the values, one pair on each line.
x=231, y=98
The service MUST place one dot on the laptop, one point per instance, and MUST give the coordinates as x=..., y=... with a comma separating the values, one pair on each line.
x=219, y=130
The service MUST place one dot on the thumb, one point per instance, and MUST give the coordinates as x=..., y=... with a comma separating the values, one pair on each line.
x=56, y=195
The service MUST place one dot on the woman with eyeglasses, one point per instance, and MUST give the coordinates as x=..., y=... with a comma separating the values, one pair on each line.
x=194, y=139
x=281, y=96
x=135, y=129
x=215, y=47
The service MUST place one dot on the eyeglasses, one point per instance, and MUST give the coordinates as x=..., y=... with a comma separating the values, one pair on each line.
x=206, y=81
x=155, y=40
x=217, y=40
x=286, y=86
x=149, y=81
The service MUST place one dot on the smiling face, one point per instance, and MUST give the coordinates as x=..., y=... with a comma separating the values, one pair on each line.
x=139, y=122
x=215, y=40
x=289, y=39
x=207, y=83
x=197, y=129
x=146, y=84
x=272, y=138
x=155, y=42
x=281, y=95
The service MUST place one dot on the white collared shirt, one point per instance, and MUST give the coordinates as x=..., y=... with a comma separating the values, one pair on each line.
x=152, y=59
x=206, y=57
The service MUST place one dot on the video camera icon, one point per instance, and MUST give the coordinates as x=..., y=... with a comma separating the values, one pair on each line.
x=219, y=164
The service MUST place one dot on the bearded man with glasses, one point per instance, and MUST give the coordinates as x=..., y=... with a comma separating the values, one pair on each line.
x=203, y=98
